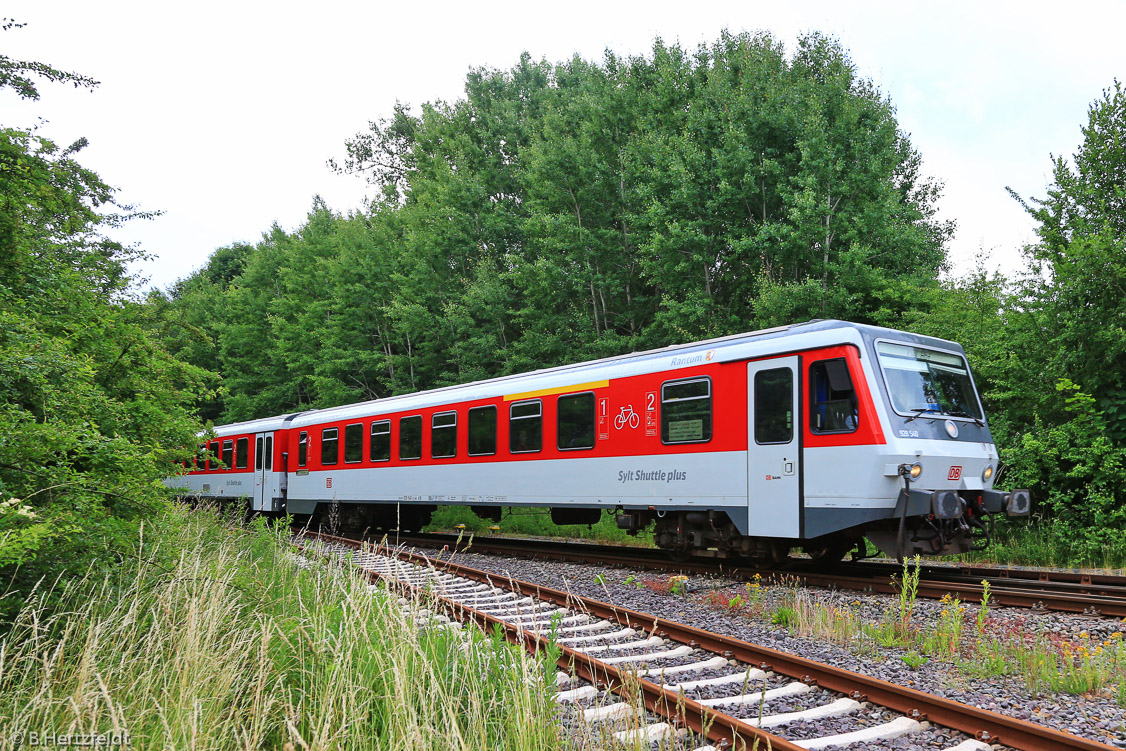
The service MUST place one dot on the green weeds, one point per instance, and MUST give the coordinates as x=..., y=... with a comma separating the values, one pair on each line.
x=1045, y=661
x=914, y=660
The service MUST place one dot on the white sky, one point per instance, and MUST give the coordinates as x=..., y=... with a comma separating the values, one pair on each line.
x=222, y=114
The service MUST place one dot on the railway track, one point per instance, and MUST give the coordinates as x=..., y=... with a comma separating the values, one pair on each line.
x=726, y=692
x=1077, y=592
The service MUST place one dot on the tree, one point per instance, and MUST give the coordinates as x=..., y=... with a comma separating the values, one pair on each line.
x=1066, y=324
x=1076, y=291
x=20, y=75
x=92, y=411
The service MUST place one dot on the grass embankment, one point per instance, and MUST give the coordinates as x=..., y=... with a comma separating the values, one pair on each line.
x=215, y=637
x=535, y=522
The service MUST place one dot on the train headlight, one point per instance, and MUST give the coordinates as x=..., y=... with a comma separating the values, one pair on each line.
x=915, y=471
x=951, y=428
x=987, y=473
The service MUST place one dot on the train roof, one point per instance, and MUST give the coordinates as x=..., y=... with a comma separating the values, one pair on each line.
x=765, y=342
x=260, y=425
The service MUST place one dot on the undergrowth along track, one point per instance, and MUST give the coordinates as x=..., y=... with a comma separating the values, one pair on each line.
x=535, y=616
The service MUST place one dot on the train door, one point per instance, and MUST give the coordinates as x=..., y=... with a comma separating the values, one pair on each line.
x=774, y=447
x=263, y=472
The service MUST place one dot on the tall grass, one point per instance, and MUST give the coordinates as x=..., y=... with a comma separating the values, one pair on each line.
x=237, y=644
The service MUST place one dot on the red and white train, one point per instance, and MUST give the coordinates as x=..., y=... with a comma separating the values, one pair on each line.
x=814, y=435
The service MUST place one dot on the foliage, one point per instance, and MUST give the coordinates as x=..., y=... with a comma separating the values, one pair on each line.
x=92, y=410
x=20, y=75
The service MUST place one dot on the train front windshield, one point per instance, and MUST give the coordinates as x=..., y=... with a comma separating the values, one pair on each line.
x=927, y=382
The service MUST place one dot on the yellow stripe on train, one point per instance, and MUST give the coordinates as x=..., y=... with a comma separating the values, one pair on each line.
x=558, y=390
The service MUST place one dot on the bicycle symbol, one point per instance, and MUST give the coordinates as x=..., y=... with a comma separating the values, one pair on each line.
x=627, y=415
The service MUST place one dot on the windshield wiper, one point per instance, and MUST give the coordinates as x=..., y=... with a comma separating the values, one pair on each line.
x=919, y=412
x=980, y=424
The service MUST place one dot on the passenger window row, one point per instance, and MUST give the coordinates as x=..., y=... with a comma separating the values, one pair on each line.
x=233, y=455
x=686, y=417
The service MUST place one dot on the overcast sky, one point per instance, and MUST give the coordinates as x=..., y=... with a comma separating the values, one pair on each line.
x=223, y=114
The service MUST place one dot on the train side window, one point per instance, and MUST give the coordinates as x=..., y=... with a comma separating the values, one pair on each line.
x=380, y=449
x=774, y=413
x=686, y=411
x=330, y=445
x=213, y=455
x=575, y=421
x=483, y=431
x=833, y=404
x=228, y=454
x=242, y=451
x=302, y=449
x=269, y=452
x=525, y=426
x=443, y=435
x=410, y=437
x=353, y=443
x=258, y=452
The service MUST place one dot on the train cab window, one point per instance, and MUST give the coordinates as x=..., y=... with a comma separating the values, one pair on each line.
x=353, y=443
x=833, y=406
x=686, y=411
x=525, y=426
x=483, y=431
x=380, y=449
x=330, y=445
x=302, y=449
x=258, y=452
x=213, y=456
x=269, y=452
x=410, y=437
x=443, y=435
x=228, y=454
x=242, y=450
x=774, y=406
x=575, y=422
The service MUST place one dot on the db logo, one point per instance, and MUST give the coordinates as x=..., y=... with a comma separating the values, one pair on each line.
x=955, y=473
x=328, y=482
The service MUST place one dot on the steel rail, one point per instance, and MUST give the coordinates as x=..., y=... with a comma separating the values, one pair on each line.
x=979, y=723
x=1066, y=591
